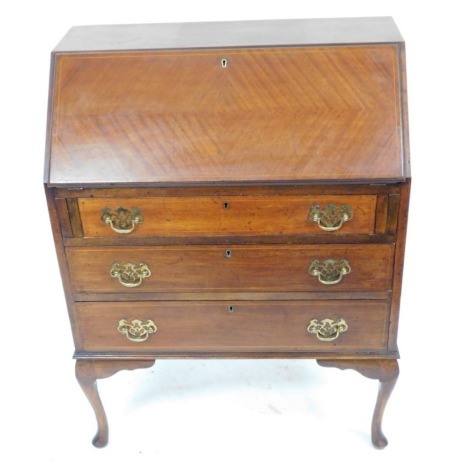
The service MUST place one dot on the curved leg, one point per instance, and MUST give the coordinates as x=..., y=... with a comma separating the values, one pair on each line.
x=387, y=372
x=386, y=386
x=87, y=373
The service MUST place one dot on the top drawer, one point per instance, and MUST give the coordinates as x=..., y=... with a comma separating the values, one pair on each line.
x=228, y=215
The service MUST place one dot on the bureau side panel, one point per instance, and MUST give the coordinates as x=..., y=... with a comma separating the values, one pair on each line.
x=399, y=263
x=404, y=110
x=49, y=124
x=62, y=258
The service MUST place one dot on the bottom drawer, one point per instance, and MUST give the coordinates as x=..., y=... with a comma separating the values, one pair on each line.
x=243, y=326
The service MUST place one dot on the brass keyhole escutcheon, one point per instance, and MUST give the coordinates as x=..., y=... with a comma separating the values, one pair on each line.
x=228, y=254
x=226, y=205
x=223, y=63
x=231, y=308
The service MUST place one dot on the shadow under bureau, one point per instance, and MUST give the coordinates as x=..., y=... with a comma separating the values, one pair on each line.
x=230, y=190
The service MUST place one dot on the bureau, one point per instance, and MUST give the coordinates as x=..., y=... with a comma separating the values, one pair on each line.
x=230, y=190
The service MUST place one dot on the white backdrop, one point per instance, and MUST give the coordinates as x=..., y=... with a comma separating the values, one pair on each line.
x=224, y=414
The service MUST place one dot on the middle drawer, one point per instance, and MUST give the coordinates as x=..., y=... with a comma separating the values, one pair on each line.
x=240, y=268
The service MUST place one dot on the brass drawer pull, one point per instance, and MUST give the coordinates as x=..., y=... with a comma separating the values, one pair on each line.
x=329, y=272
x=332, y=217
x=136, y=331
x=327, y=330
x=122, y=220
x=129, y=274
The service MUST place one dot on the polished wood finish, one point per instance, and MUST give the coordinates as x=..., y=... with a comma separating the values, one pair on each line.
x=297, y=114
x=387, y=372
x=211, y=326
x=87, y=374
x=255, y=189
x=225, y=161
x=231, y=215
x=235, y=268
x=399, y=263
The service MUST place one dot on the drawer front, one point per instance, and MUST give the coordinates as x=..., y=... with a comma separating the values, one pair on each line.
x=231, y=215
x=232, y=268
x=238, y=326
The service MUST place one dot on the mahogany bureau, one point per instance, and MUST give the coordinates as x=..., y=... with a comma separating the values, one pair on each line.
x=230, y=190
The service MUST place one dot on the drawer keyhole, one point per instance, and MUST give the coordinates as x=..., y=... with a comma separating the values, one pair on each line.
x=230, y=308
x=223, y=63
x=226, y=205
x=228, y=253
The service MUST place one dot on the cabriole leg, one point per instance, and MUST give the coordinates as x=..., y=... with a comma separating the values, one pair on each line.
x=87, y=373
x=387, y=372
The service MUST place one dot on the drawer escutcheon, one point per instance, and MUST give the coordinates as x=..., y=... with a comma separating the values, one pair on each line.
x=331, y=217
x=122, y=220
x=135, y=330
x=329, y=272
x=129, y=274
x=327, y=330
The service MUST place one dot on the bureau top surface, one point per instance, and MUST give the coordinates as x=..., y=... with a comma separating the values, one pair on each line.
x=289, y=101
x=230, y=34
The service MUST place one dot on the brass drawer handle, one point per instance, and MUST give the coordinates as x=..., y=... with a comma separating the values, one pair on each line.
x=136, y=331
x=329, y=272
x=327, y=330
x=332, y=217
x=129, y=274
x=122, y=220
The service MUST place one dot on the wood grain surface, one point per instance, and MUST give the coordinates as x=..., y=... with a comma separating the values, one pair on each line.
x=251, y=326
x=236, y=215
x=281, y=114
x=249, y=268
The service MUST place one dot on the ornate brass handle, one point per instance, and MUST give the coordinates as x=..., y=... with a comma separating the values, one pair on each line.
x=327, y=330
x=329, y=272
x=331, y=217
x=135, y=330
x=129, y=274
x=122, y=220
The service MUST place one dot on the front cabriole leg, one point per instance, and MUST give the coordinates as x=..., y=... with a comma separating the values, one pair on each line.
x=387, y=372
x=87, y=372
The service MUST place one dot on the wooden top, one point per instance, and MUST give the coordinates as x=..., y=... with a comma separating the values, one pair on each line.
x=264, y=33
x=275, y=115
